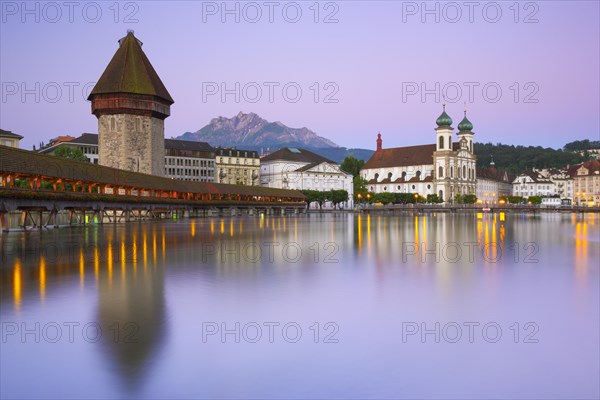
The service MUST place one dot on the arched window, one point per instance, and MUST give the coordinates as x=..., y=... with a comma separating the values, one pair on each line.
x=418, y=175
x=441, y=142
x=389, y=175
x=385, y=188
x=376, y=177
x=440, y=172
x=464, y=171
x=441, y=194
x=451, y=172
x=404, y=175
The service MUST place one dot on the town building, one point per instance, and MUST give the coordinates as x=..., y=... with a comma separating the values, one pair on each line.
x=586, y=184
x=235, y=166
x=562, y=180
x=300, y=169
x=492, y=184
x=184, y=160
x=533, y=183
x=131, y=104
x=10, y=139
x=445, y=168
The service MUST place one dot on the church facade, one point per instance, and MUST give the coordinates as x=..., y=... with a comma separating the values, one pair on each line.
x=445, y=168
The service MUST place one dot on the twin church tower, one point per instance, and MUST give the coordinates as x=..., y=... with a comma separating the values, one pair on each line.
x=131, y=104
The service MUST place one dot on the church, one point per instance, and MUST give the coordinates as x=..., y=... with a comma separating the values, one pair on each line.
x=445, y=168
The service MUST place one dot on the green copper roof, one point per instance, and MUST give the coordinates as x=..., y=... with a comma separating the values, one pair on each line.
x=130, y=71
x=465, y=125
x=444, y=119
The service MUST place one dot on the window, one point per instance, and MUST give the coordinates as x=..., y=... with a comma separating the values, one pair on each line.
x=389, y=175
x=441, y=142
x=440, y=172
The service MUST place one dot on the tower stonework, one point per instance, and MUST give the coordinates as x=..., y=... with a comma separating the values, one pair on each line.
x=131, y=104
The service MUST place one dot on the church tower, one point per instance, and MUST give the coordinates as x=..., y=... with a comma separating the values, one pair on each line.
x=443, y=157
x=131, y=104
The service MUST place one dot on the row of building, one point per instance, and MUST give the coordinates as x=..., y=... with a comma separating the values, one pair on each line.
x=131, y=104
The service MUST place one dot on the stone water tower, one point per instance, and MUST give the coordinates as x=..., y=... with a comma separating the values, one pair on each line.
x=131, y=104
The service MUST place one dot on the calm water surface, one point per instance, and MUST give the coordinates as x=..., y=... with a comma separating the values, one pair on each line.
x=311, y=306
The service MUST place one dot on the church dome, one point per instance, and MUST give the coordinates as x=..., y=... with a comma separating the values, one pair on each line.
x=444, y=119
x=465, y=125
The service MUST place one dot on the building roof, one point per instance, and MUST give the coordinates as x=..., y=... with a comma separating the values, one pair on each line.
x=86, y=138
x=494, y=174
x=187, y=145
x=92, y=139
x=130, y=71
x=10, y=134
x=593, y=167
x=236, y=152
x=45, y=166
x=404, y=156
x=298, y=155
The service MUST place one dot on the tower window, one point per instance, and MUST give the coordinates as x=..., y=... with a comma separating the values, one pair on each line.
x=441, y=142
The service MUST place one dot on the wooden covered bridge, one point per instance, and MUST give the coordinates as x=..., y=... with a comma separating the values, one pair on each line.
x=40, y=186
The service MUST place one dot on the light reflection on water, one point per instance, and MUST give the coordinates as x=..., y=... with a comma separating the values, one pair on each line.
x=153, y=287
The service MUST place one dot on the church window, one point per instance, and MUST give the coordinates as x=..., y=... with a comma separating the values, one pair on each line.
x=404, y=175
x=451, y=172
x=389, y=175
x=413, y=186
x=441, y=142
x=440, y=172
x=418, y=175
x=464, y=171
x=428, y=186
x=376, y=177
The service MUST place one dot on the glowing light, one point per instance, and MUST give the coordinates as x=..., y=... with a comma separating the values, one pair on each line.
x=17, y=285
x=81, y=268
x=193, y=228
x=42, y=278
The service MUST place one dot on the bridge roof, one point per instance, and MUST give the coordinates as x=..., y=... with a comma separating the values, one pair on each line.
x=24, y=162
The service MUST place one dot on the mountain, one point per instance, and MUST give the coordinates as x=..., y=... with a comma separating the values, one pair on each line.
x=249, y=131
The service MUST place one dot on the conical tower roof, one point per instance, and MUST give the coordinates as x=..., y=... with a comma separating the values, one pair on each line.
x=130, y=71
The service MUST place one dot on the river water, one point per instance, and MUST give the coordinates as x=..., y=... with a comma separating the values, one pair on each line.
x=307, y=306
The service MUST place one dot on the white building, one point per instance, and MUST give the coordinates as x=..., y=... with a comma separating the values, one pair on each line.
x=532, y=183
x=444, y=168
x=492, y=183
x=235, y=166
x=300, y=169
x=184, y=160
x=10, y=139
x=562, y=180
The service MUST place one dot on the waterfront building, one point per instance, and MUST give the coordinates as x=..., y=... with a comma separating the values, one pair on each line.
x=301, y=169
x=586, y=183
x=445, y=168
x=493, y=183
x=562, y=180
x=87, y=143
x=236, y=166
x=533, y=183
x=184, y=160
x=10, y=139
x=131, y=104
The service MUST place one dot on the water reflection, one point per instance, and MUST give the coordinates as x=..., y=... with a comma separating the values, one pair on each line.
x=147, y=284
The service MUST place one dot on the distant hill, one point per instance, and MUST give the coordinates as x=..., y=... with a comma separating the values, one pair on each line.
x=516, y=159
x=253, y=132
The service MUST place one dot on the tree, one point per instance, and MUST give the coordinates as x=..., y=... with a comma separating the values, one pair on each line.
x=534, y=199
x=337, y=197
x=384, y=197
x=360, y=187
x=434, y=199
x=352, y=165
x=469, y=199
x=70, y=153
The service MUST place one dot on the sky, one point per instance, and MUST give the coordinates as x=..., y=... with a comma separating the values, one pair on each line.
x=527, y=71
